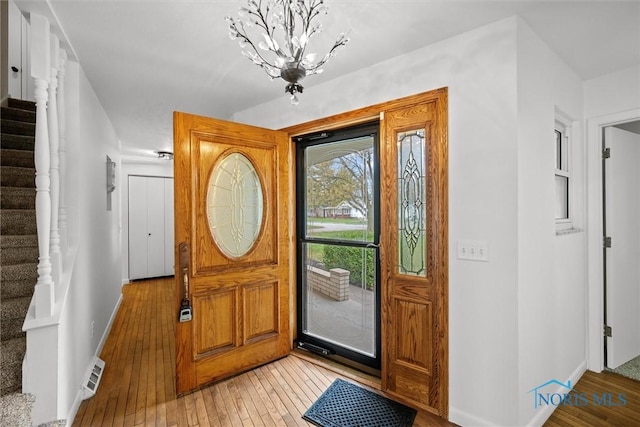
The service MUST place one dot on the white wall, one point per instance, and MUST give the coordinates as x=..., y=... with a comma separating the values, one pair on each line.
x=136, y=166
x=479, y=68
x=551, y=272
x=94, y=291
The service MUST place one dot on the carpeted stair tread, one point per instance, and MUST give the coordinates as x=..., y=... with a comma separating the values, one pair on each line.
x=18, y=245
x=13, y=127
x=12, y=353
x=17, y=177
x=18, y=114
x=17, y=158
x=26, y=271
x=18, y=240
x=18, y=280
x=18, y=288
x=16, y=408
x=18, y=221
x=17, y=198
x=11, y=380
x=9, y=349
x=18, y=249
x=18, y=142
x=21, y=104
x=12, y=317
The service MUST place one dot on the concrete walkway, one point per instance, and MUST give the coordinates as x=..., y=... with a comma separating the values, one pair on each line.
x=348, y=323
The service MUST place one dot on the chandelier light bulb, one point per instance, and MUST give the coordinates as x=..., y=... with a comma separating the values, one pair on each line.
x=282, y=30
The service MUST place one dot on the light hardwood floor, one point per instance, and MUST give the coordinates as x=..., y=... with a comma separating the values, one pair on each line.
x=138, y=384
x=594, y=414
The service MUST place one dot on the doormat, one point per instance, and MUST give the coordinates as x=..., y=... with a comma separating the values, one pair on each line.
x=631, y=369
x=346, y=405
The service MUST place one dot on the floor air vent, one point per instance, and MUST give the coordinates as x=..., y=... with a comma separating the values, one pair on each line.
x=93, y=378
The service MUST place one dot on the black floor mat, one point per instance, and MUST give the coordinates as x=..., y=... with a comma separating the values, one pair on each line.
x=346, y=405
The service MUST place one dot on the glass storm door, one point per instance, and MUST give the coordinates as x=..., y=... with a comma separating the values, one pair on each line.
x=338, y=244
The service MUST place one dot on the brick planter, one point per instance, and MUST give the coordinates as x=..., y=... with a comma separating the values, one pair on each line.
x=333, y=284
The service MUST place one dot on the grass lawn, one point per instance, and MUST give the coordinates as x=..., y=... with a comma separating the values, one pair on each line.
x=336, y=220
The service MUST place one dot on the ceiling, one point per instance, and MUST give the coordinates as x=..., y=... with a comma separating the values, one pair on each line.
x=146, y=59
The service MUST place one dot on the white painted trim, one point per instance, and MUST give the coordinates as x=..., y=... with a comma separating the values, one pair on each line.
x=462, y=418
x=79, y=395
x=595, y=297
x=107, y=330
x=543, y=414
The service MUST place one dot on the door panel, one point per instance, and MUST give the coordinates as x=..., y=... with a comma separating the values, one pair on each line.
x=415, y=252
x=137, y=227
x=240, y=299
x=168, y=228
x=155, y=227
x=622, y=190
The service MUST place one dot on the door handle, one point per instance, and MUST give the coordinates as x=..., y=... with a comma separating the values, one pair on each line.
x=185, y=313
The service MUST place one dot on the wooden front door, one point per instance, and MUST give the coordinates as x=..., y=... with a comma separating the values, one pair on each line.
x=232, y=233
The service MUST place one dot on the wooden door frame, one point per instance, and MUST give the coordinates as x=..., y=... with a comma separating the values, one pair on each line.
x=376, y=112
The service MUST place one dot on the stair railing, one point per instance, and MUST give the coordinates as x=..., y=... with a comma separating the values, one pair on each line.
x=48, y=62
x=52, y=118
x=40, y=55
x=62, y=149
x=41, y=373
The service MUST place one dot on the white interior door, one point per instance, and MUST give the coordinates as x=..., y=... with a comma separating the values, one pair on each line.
x=137, y=227
x=169, y=258
x=622, y=210
x=155, y=226
x=17, y=54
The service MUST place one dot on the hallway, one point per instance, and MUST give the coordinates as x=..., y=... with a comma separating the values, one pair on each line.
x=138, y=386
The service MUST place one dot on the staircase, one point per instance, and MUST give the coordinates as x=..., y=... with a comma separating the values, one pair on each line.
x=18, y=239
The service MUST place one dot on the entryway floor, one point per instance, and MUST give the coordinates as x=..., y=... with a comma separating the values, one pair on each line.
x=138, y=385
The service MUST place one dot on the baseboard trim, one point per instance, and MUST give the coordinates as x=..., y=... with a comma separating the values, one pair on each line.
x=462, y=418
x=78, y=400
x=543, y=414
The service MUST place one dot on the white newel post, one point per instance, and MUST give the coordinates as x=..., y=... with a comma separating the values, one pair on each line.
x=52, y=119
x=62, y=149
x=39, y=38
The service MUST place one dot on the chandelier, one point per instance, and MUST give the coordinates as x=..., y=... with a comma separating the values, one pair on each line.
x=281, y=51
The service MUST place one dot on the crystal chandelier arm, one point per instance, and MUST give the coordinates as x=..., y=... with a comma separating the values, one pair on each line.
x=239, y=33
x=255, y=16
x=307, y=15
x=342, y=41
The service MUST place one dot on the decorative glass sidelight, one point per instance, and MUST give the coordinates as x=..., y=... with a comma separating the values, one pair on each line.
x=412, y=198
x=234, y=205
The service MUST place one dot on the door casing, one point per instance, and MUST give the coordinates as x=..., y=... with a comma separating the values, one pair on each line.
x=400, y=387
x=437, y=394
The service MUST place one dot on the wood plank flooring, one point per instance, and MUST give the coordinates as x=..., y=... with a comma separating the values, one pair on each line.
x=592, y=414
x=138, y=384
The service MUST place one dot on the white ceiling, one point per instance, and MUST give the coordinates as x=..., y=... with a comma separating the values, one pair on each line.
x=146, y=59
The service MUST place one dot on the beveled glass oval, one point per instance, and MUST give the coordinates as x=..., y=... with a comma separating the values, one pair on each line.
x=234, y=205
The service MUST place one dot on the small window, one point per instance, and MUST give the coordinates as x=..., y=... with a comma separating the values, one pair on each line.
x=563, y=176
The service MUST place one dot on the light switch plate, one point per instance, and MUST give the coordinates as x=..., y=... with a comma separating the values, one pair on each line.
x=473, y=250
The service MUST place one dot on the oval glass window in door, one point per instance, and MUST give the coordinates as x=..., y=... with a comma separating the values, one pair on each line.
x=234, y=205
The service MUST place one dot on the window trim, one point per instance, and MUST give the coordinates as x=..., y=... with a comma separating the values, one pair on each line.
x=565, y=125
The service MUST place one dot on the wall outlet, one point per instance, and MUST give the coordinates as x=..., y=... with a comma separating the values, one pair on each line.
x=473, y=250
